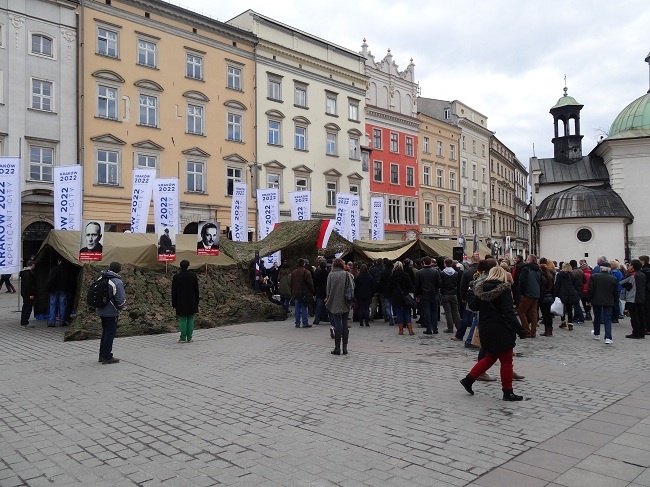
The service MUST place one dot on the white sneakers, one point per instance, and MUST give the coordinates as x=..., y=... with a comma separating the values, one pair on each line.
x=608, y=341
x=596, y=337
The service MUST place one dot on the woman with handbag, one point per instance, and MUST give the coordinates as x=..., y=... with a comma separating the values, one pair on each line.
x=339, y=283
x=565, y=289
x=400, y=285
x=546, y=295
x=498, y=328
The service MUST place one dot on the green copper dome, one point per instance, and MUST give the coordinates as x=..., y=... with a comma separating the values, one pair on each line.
x=566, y=100
x=634, y=117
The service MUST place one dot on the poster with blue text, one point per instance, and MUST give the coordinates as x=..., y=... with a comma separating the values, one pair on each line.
x=9, y=215
x=143, y=180
x=268, y=207
x=166, y=205
x=68, y=186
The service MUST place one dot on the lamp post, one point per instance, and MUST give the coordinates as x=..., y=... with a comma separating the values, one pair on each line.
x=253, y=168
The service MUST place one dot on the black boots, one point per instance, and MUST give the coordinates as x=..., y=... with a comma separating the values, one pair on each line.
x=467, y=383
x=508, y=395
x=588, y=316
x=337, y=343
x=346, y=334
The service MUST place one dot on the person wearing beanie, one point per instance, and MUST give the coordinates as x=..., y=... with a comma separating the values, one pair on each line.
x=586, y=270
x=603, y=294
x=110, y=313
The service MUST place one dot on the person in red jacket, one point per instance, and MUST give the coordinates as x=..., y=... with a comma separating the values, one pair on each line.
x=586, y=270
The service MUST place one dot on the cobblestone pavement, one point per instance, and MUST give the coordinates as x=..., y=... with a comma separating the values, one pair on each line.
x=266, y=404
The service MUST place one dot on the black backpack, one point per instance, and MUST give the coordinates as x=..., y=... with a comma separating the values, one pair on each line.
x=100, y=292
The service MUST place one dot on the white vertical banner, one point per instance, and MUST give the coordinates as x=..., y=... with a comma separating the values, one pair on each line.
x=355, y=218
x=268, y=208
x=342, y=220
x=300, y=202
x=68, y=187
x=239, y=213
x=166, y=205
x=10, y=198
x=377, y=218
x=142, y=187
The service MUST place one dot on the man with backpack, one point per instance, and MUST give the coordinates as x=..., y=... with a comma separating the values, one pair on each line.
x=108, y=297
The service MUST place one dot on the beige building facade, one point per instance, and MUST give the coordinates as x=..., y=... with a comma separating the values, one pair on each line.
x=503, y=193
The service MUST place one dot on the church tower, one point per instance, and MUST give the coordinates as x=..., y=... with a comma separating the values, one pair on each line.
x=566, y=120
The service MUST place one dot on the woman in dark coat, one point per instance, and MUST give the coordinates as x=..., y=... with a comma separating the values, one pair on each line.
x=364, y=290
x=565, y=290
x=498, y=327
x=398, y=284
x=546, y=295
x=185, y=299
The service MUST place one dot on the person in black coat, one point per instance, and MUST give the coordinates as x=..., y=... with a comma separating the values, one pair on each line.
x=399, y=284
x=383, y=285
x=27, y=291
x=185, y=299
x=565, y=290
x=320, y=291
x=602, y=292
x=364, y=290
x=498, y=328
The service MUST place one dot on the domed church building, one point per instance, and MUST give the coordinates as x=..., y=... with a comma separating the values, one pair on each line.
x=599, y=204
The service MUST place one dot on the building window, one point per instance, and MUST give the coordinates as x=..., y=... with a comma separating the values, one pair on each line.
x=355, y=150
x=452, y=216
x=584, y=235
x=146, y=53
x=195, y=177
x=148, y=110
x=474, y=227
x=427, y=213
x=475, y=197
x=484, y=169
x=394, y=142
x=300, y=96
x=377, y=174
x=354, y=189
x=493, y=192
x=330, y=104
x=145, y=161
x=464, y=195
x=353, y=111
x=234, y=127
x=409, y=146
x=452, y=181
x=194, y=119
x=473, y=146
x=440, y=176
x=464, y=144
x=439, y=149
x=393, y=210
x=302, y=183
x=447, y=113
x=41, y=162
x=194, y=67
x=441, y=215
x=107, y=102
x=106, y=42
x=409, y=212
x=301, y=137
x=331, y=144
x=463, y=169
x=426, y=146
x=107, y=167
x=483, y=150
x=275, y=89
x=484, y=197
x=273, y=181
x=474, y=173
x=234, y=78
x=233, y=175
x=426, y=176
x=410, y=176
x=463, y=226
x=331, y=193
x=376, y=139
x=42, y=45
x=394, y=174
x=483, y=228
x=42, y=95
x=274, y=132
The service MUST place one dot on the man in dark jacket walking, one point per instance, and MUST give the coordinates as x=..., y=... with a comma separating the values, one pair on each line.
x=427, y=288
x=385, y=277
x=27, y=291
x=377, y=304
x=185, y=300
x=320, y=291
x=302, y=291
x=467, y=316
x=110, y=313
x=530, y=287
x=57, y=287
x=449, y=295
x=602, y=292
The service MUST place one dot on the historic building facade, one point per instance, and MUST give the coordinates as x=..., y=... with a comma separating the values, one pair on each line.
x=310, y=117
x=502, y=197
x=439, y=177
x=162, y=87
x=38, y=122
x=392, y=127
x=520, y=244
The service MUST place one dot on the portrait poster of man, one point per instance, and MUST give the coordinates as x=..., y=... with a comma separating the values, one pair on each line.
x=91, y=246
x=166, y=246
x=208, y=238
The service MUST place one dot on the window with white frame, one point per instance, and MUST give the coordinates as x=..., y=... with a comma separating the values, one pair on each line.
x=440, y=178
x=474, y=173
x=195, y=177
x=463, y=143
x=426, y=175
x=300, y=137
x=330, y=149
x=146, y=161
x=452, y=216
x=475, y=197
x=441, y=215
x=355, y=189
x=484, y=169
x=473, y=146
x=394, y=207
x=452, y=152
x=394, y=142
x=330, y=103
x=484, y=198
x=193, y=66
x=353, y=110
x=107, y=102
x=274, y=132
x=378, y=171
x=302, y=183
x=376, y=139
x=42, y=45
x=300, y=95
x=483, y=150
x=234, y=77
x=275, y=88
x=447, y=113
x=474, y=227
x=463, y=169
x=146, y=53
x=409, y=212
x=233, y=175
x=483, y=228
x=427, y=213
x=426, y=145
x=439, y=148
x=410, y=176
x=332, y=189
x=108, y=162
x=273, y=180
x=234, y=124
x=355, y=150
x=464, y=196
x=463, y=226
x=409, y=146
x=195, y=119
x=148, y=114
x=394, y=174
x=42, y=95
x=107, y=42
x=41, y=163
x=452, y=181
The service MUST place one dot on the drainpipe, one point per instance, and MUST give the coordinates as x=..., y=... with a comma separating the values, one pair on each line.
x=81, y=84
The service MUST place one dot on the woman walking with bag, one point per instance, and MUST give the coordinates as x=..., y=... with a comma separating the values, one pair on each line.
x=338, y=305
x=400, y=284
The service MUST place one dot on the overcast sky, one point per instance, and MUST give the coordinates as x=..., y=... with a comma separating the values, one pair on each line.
x=504, y=58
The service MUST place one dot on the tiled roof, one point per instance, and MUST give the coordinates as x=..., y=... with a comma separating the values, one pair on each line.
x=589, y=168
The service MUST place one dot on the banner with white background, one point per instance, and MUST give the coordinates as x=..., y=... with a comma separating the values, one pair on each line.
x=300, y=202
x=68, y=187
x=377, y=218
x=143, y=180
x=239, y=213
x=166, y=205
x=268, y=209
x=342, y=219
x=355, y=219
x=10, y=198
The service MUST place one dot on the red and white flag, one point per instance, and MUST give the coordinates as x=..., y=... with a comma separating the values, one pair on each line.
x=326, y=228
